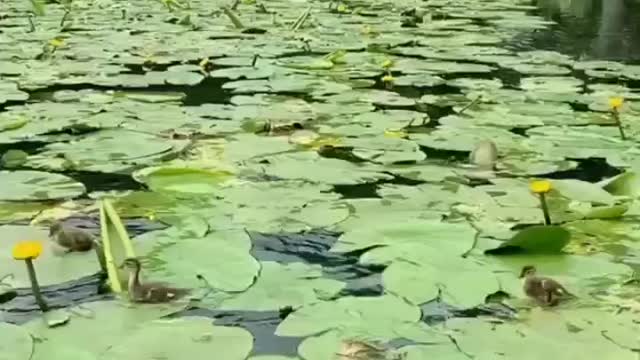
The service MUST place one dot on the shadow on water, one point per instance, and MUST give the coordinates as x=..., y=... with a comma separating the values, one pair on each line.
x=586, y=29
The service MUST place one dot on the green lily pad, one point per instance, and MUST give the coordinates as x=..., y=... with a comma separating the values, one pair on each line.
x=535, y=239
x=234, y=269
x=97, y=327
x=192, y=337
x=398, y=241
x=377, y=316
x=15, y=342
x=26, y=185
x=583, y=191
x=294, y=285
x=176, y=179
x=548, y=334
x=459, y=282
x=51, y=266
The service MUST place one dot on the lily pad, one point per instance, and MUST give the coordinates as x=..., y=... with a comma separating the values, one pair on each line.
x=377, y=316
x=535, y=239
x=51, y=266
x=15, y=342
x=293, y=284
x=29, y=185
x=176, y=179
x=192, y=337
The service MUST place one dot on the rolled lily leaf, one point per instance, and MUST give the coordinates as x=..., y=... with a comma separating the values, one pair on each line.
x=116, y=242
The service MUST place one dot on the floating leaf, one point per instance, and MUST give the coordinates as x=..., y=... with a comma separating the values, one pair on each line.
x=535, y=239
x=30, y=185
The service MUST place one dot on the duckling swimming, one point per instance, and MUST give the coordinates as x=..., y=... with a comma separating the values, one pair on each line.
x=544, y=290
x=151, y=292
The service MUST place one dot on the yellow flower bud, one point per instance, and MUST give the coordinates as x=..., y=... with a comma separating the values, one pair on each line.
x=540, y=186
x=388, y=79
x=388, y=63
x=615, y=103
x=342, y=8
x=27, y=250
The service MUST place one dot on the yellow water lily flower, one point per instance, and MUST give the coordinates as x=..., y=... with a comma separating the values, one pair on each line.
x=388, y=63
x=615, y=103
x=342, y=8
x=540, y=186
x=56, y=42
x=203, y=62
x=388, y=79
x=399, y=134
x=27, y=250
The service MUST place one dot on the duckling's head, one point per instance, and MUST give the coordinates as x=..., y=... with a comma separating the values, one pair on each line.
x=131, y=264
x=55, y=228
x=528, y=270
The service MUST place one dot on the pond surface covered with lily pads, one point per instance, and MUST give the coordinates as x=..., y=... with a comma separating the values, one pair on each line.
x=310, y=161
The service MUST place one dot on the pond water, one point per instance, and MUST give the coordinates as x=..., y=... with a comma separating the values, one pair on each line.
x=309, y=169
x=588, y=29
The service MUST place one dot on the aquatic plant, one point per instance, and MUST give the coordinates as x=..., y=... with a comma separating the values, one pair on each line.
x=28, y=251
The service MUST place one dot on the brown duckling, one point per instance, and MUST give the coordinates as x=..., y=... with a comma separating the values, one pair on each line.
x=70, y=238
x=544, y=290
x=148, y=292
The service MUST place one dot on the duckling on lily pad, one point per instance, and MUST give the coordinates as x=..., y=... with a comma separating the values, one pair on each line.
x=71, y=238
x=151, y=292
x=543, y=290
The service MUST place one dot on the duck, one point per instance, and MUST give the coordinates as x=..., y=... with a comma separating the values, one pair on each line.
x=484, y=155
x=150, y=292
x=543, y=290
x=71, y=238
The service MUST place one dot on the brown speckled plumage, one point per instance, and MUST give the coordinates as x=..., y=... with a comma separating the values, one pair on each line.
x=70, y=238
x=151, y=292
x=543, y=290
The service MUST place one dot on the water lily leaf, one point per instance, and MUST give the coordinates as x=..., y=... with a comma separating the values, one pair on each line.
x=51, y=266
x=399, y=241
x=192, y=337
x=93, y=329
x=15, y=342
x=37, y=186
x=376, y=316
x=551, y=84
x=335, y=343
x=176, y=179
x=459, y=282
x=583, y=191
x=627, y=183
x=293, y=284
x=535, y=239
x=107, y=151
x=319, y=169
x=564, y=327
x=183, y=78
x=9, y=92
x=234, y=269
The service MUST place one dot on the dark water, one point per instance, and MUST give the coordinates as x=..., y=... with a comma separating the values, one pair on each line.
x=587, y=29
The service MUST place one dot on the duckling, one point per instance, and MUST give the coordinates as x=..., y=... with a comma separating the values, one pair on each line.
x=148, y=292
x=70, y=238
x=544, y=290
x=484, y=155
x=75, y=239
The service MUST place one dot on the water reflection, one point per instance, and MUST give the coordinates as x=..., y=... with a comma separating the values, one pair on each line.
x=591, y=29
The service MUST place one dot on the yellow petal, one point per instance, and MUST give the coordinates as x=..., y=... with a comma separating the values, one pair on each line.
x=27, y=250
x=400, y=134
x=56, y=42
x=615, y=103
x=540, y=186
x=388, y=79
